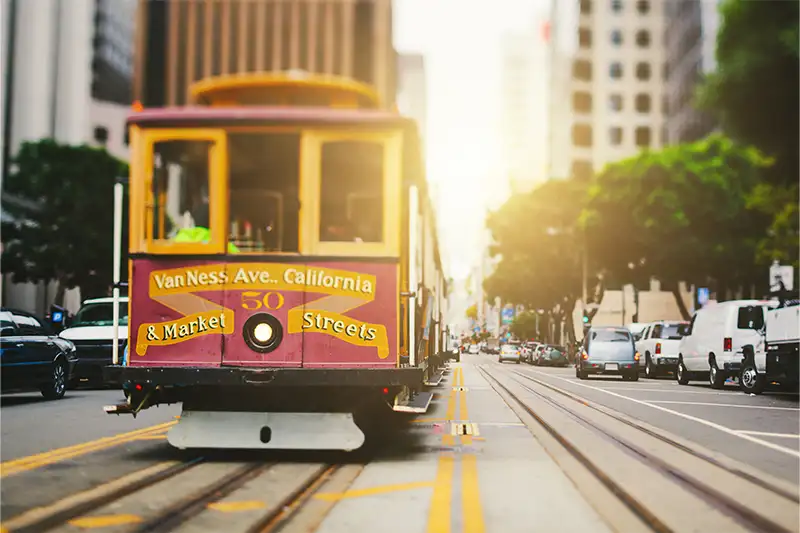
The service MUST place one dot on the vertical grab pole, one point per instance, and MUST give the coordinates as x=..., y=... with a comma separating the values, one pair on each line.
x=413, y=213
x=117, y=260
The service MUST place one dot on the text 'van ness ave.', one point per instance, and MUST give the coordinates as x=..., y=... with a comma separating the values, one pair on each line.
x=287, y=278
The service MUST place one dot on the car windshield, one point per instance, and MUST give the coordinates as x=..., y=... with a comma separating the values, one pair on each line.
x=100, y=314
x=508, y=348
x=611, y=335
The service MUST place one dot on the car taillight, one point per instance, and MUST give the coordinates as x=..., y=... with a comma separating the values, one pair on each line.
x=658, y=348
x=585, y=356
x=636, y=356
x=727, y=344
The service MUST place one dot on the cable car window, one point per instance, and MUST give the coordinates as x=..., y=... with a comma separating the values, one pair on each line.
x=180, y=191
x=351, y=192
x=264, y=193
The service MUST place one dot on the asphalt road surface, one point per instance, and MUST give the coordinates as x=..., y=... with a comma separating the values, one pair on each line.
x=502, y=448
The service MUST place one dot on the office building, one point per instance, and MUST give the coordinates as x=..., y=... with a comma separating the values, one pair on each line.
x=690, y=39
x=617, y=82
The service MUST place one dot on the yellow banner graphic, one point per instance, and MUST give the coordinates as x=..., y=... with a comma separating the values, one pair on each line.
x=175, y=288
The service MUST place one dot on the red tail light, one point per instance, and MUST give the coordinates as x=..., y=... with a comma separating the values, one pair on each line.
x=636, y=356
x=727, y=344
x=658, y=348
x=386, y=390
x=585, y=356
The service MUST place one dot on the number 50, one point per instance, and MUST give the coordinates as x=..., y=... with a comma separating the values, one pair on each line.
x=255, y=300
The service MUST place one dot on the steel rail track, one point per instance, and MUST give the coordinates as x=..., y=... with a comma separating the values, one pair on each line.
x=723, y=503
x=766, y=485
x=615, y=488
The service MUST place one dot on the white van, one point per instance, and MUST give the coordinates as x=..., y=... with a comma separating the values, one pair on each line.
x=713, y=346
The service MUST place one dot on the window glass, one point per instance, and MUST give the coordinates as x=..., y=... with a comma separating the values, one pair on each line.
x=643, y=6
x=351, y=192
x=615, y=102
x=750, y=317
x=582, y=102
x=643, y=136
x=615, y=70
x=585, y=37
x=643, y=71
x=28, y=325
x=610, y=335
x=616, y=37
x=7, y=326
x=643, y=38
x=616, y=5
x=582, y=135
x=264, y=194
x=615, y=134
x=643, y=103
x=582, y=70
x=100, y=314
x=674, y=331
x=180, y=191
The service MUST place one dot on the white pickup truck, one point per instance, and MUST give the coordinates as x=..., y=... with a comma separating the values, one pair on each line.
x=775, y=357
x=658, y=346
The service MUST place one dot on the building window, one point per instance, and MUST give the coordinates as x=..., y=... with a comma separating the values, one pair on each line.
x=642, y=38
x=586, y=7
x=582, y=135
x=101, y=135
x=616, y=37
x=582, y=70
x=643, y=103
x=643, y=7
x=642, y=71
x=616, y=70
x=582, y=102
x=616, y=6
x=615, y=135
x=585, y=37
x=643, y=137
x=582, y=169
x=615, y=102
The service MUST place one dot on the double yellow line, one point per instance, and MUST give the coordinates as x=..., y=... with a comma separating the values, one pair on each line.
x=472, y=512
x=24, y=464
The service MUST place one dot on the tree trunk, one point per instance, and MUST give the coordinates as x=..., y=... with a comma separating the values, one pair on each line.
x=676, y=292
x=570, y=323
x=60, y=292
x=597, y=298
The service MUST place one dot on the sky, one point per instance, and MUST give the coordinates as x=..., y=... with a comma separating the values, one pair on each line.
x=461, y=43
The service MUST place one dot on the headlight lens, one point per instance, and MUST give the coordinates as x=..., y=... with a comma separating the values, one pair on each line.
x=262, y=332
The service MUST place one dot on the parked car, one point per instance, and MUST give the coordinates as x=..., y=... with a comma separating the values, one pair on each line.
x=32, y=357
x=608, y=350
x=658, y=345
x=775, y=357
x=509, y=352
x=92, y=332
x=553, y=355
x=474, y=349
x=713, y=347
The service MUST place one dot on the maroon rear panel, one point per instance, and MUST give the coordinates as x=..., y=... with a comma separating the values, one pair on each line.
x=334, y=315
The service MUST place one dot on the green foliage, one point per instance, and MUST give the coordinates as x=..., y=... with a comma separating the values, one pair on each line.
x=63, y=210
x=680, y=214
x=754, y=91
x=524, y=325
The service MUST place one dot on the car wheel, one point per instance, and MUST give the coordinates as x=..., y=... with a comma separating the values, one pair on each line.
x=750, y=381
x=715, y=377
x=57, y=386
x=681, y=374
x=634, y=376
x=649, y=369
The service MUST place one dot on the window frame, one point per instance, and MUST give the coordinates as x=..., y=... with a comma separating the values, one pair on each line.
x=311, y=144
x=143, y=143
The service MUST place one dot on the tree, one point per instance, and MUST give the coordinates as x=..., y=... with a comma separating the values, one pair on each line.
x=472, y=312
x=538, y=239
x=63, y=214
x=753, y=92
x=525, y=325
x=680, y=214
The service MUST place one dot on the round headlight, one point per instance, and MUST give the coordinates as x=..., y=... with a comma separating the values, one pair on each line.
x=262, y=332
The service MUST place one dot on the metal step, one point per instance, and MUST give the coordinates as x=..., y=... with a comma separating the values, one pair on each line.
x=419, y=404
x=435, y=379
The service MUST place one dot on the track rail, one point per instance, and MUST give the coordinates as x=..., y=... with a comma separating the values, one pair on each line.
x=298, y=491
x=725, y=504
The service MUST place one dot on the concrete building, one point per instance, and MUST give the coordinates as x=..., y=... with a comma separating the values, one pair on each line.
x=562, y=40
x=618, y=82
x=525, y=115
x=53, y=54
x=690, y=36
x=412, y=90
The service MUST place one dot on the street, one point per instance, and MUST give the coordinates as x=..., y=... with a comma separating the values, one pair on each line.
x=504, y=447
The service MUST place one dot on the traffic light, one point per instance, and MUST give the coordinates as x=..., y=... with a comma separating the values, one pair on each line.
x=585, y=317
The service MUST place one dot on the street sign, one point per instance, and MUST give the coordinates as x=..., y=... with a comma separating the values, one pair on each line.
x=508, y=315
x=703, y=295
x=780, y=273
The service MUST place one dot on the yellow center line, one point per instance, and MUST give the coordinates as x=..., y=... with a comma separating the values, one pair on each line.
x=235, y=507
x=92, y=522
x=31, y=462
x=439, y=516
x=471, y=497
x=371, y=491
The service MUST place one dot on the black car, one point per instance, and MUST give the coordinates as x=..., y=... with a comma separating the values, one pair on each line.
x=608, y=350
x=553, y=355
x=32, y=357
